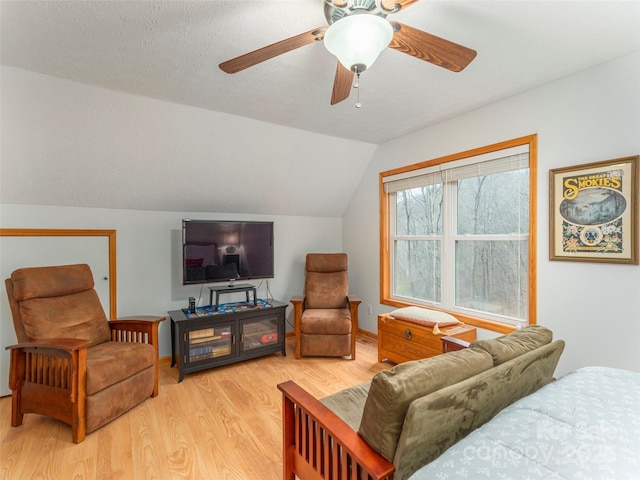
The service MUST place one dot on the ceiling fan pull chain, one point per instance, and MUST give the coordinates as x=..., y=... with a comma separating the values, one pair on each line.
x=356, y=85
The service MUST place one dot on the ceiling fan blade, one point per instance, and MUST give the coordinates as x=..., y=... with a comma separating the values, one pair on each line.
x=341, y=84
x=397, y=4
x=265, y=53
x=430, y=48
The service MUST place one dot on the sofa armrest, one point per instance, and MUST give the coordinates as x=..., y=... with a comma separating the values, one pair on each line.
x=316, y=441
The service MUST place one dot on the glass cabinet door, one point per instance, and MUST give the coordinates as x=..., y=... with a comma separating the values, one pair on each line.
x=259, y=333
x=209, y=342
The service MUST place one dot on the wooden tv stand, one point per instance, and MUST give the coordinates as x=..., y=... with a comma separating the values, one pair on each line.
x=211, y=338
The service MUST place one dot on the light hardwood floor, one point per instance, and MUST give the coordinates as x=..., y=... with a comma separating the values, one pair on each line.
x=223, y=423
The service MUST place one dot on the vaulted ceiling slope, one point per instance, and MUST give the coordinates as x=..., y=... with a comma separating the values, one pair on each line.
x=171, y=50
x=69, y=144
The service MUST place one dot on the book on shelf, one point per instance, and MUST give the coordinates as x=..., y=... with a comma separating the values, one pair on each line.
x=203, y=353
x=204, y=332
x=218, y=351
x=195, y=341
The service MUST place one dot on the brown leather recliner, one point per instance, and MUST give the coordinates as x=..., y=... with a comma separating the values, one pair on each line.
x=326, y=317
x=71, y=363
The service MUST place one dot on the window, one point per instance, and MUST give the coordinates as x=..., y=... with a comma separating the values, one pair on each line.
x=458, y=235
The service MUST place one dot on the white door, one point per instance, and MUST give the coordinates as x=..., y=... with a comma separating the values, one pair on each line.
x=27, y=251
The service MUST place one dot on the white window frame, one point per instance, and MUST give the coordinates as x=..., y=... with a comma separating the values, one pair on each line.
x=409, y=177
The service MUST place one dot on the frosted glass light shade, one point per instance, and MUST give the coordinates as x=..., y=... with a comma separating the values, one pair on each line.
x=358, y=39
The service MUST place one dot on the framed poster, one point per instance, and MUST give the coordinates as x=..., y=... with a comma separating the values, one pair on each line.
x=594, y=212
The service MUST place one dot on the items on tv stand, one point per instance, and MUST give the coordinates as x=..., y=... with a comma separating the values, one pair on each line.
x=230, y=333
x=240, y=287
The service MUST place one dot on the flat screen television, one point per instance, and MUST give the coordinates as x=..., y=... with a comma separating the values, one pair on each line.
x=226, y=251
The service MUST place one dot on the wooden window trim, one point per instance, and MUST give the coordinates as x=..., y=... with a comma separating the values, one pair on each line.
x=385, y=269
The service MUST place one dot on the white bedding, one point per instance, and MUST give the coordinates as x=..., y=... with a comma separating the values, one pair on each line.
x=585, y=426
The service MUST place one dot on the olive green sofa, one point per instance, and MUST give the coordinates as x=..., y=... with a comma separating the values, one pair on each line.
x=407, y=416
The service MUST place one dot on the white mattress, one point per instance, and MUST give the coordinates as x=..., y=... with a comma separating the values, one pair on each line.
x=585, y=426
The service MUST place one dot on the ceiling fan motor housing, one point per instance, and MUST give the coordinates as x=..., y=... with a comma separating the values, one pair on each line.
x=335, y=10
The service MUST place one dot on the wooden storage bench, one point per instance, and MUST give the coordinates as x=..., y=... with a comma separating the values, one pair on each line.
x=400, y=341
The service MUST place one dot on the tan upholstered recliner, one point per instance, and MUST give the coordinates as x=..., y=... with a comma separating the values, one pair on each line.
x=71, y=363
x=326, y=317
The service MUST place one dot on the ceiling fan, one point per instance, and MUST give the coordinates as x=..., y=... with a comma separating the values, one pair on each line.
x=358, y=31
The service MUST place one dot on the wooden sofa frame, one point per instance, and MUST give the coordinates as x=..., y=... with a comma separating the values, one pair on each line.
x=319, y=445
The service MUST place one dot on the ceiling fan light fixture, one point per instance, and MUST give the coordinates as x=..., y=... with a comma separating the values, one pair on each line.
x=358, y=40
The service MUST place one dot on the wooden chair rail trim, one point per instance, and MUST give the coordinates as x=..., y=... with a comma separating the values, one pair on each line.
x=320, y=445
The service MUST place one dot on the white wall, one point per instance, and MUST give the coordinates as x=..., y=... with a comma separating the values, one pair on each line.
x=587, y=117
x=149, y=253
x=591, y=116
x=66, y=143
x=74, y=156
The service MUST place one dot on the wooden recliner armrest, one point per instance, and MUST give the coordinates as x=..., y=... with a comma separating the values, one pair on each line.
x=139, y=329
x=298, y=299
x=317, y=444
x=63, y=344
x=50, y=358
x=298, y=306
x=353, y=302
x=55, y=369
x=354, y=299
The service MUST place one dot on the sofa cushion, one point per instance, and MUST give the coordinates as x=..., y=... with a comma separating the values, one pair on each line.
x=507, y=347
x=111, y=362
x=348, y=404
x=392, y=392
x=424, y=316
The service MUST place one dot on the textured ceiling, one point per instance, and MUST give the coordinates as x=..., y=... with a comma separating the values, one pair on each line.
x=170, y=50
